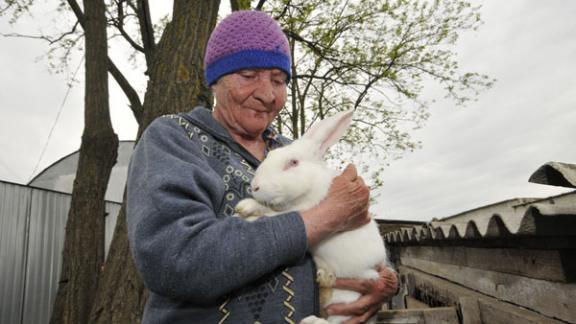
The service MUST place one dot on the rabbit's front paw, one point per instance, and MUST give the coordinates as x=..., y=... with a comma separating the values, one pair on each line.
x=325, y=278
x=250, y=209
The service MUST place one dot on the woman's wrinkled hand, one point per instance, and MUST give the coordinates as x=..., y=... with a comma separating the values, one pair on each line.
x=374, y=294
x=344, y=208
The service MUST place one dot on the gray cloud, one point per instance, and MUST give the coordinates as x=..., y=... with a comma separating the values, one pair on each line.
x=485, y=153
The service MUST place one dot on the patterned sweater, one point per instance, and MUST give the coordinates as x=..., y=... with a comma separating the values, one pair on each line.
x=200, y=264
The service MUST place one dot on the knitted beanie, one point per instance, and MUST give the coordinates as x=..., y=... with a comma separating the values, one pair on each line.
x=243, y=40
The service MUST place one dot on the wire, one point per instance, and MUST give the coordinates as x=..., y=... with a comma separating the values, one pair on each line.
x=55, y=121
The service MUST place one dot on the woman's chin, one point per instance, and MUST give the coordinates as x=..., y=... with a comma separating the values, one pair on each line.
x=256, y=126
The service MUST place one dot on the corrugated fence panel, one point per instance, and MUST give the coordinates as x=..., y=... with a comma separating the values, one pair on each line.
x=14, y=202
x=48, y=214
x=32, y=231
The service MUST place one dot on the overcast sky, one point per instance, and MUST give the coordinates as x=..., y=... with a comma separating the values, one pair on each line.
x=471, y=156
x=486, y=152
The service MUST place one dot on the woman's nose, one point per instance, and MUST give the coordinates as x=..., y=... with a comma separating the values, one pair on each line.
x=264, y=91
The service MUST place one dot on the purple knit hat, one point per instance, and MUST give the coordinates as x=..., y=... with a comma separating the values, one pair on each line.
x=246, y=39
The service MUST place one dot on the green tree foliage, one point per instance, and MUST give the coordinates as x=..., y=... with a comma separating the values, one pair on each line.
x=375, y=57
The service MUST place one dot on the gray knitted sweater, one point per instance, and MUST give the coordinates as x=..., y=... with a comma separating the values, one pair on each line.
x=200, y=264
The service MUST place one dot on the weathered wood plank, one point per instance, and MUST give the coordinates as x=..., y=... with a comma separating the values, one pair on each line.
x=550, y=298
x=494, y=313
x=398, y=301
x=451, y=294
x=440, y=315
x=413, y=303
x=469, y=310
x=531, y=263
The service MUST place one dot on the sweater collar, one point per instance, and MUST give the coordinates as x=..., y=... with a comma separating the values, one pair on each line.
x=202, y=117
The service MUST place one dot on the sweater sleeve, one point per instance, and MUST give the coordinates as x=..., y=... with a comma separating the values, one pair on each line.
x=182, y=249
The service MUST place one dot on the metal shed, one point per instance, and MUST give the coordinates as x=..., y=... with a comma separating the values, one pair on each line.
x=509, y=262
x=59, y=176
x=32, y=225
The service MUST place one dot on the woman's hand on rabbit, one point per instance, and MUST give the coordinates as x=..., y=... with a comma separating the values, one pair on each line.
x=374, y=294
x=344, y=208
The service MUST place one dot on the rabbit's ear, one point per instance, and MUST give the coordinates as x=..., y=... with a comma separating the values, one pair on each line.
x=329, y=130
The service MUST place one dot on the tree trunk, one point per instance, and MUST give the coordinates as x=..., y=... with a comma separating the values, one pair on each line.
x=176, y=84
x=121, y=295
x=236, y=5
x=83, y=253
x=177, y=75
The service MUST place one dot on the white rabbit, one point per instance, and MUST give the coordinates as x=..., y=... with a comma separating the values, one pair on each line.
x=296, y=177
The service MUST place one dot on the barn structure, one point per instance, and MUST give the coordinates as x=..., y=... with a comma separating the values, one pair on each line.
x=509, y=262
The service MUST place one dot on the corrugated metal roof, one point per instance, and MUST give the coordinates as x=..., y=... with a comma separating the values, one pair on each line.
x=59, y=176
x=555, y=174
x=552, y=216
x=512, y=217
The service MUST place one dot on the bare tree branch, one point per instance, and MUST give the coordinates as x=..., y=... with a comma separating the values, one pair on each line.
x=146, y=30
x=3, y=10
x=43, y=37
x=129, y=91
x=77, y=12
x=119, y=24
x=284, y=11
x=312, y=45
x=131, y=94
x=260, y=4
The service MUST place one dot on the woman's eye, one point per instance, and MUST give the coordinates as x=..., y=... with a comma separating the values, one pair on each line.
x=279, y=82
x=248, y=75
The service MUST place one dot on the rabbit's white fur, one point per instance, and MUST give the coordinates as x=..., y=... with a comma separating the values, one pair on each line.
x=295, y=177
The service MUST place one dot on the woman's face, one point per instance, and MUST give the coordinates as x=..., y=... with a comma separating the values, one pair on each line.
x=247, y=101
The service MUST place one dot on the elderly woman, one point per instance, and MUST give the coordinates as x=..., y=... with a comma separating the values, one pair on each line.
x=187, y=173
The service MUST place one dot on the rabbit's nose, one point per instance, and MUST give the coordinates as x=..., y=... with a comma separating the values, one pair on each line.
x=255, y=188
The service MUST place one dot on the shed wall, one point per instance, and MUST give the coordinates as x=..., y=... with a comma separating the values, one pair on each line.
x=14, y=204
x=32, y=227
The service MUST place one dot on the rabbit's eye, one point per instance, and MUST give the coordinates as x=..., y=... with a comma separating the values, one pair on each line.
x=292, y=163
